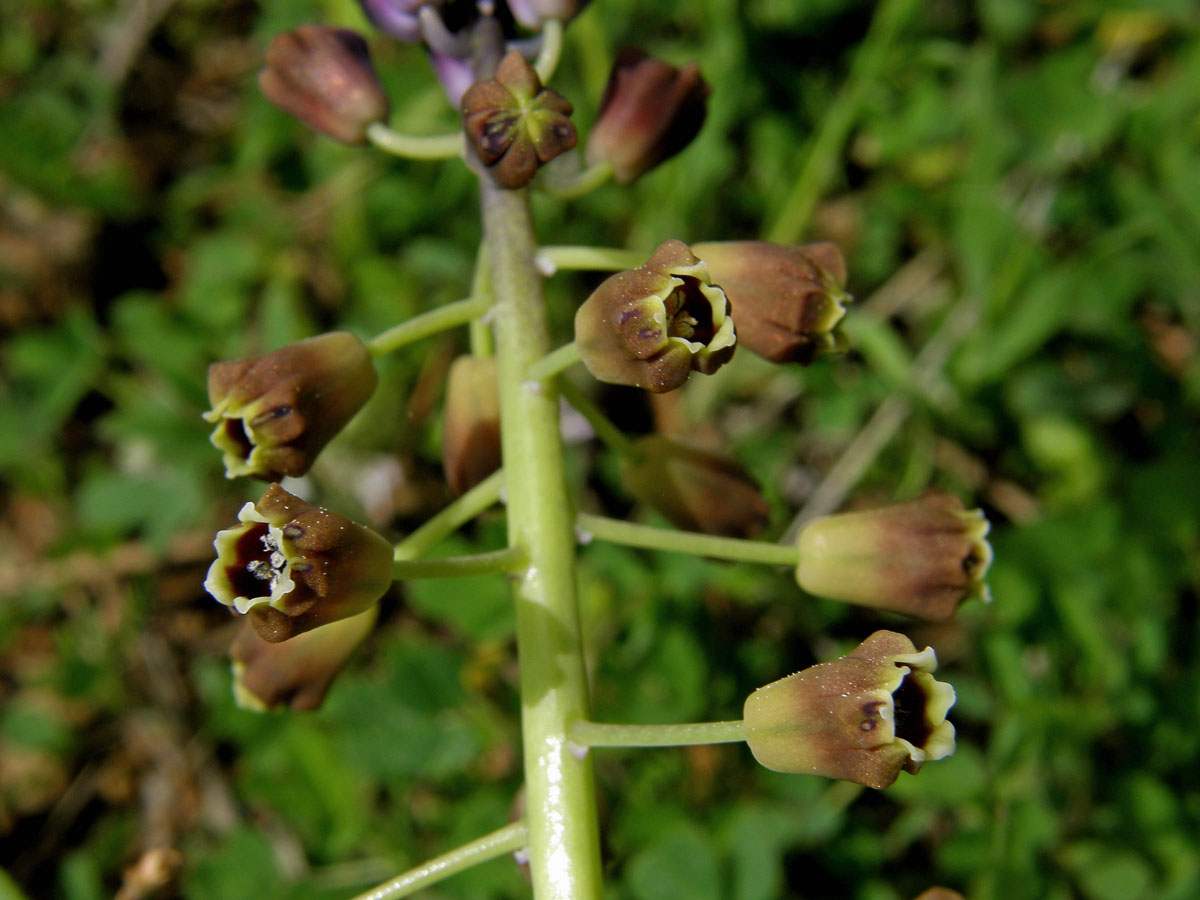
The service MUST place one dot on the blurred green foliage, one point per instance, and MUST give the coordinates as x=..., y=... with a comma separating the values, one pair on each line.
x=1019, y=186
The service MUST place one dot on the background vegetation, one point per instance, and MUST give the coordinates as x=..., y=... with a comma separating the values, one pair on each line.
x=1017, y=195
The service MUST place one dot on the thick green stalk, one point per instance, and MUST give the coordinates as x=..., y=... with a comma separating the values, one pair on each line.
x=563, y=846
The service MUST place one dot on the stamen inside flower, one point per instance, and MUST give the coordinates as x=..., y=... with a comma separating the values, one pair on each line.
x=258, y=565
x=689, y=311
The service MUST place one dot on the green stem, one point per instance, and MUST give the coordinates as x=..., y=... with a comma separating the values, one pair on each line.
x=507, y=560
x=547, y=60
x=583, y=182
x=508, y=839
x=460, y=312
x=564, y=847
x=610, y=434
x=592, y=259
x=481, y=286
x=607, y=734
x=412, y=146
x=651, y=538
x=440, y=526
x=552, y=363
x=824, y=151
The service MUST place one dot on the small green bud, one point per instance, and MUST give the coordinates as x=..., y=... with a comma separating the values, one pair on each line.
x=922, y=558
x=650, y=111
x=323, y=76
x=694, y=488
x=471, y=432
x=787, y=301
x=296, y=673
x=275, y=413
x=862, y=718
x=293, y=567
x=652, y=326
x=513, y=124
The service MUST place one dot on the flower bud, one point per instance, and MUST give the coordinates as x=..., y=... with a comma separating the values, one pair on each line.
x=399, y=18
x=323, y=77
x=650, y=327
x=293, y=567
x=532, y=13
x=694, y=488
x=787, y=301
x=940, y=893
x=515, y=125
x=295, y=673
x=650, y=111
x=860, y=718
x=471, y=433
x=275, y=413
x=922, y=558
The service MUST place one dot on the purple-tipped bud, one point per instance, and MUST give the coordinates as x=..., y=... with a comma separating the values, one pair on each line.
x=471, y=434
x=862, y=718
x=922, y=558
x=296, y=673
x=323, y=76
x=513, y=124
x=275, y=413
x=532, y=13
x=399, y=18
x=293, y=567
x=787, y=301
x=694, y=488
x=652, y=326
x=650, y=111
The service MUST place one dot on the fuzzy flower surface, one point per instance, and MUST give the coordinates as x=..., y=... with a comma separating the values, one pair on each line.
x=513, y=124
x=275, y=413
x=922, y=558
x=650, y=111
x=866, y=717
x=323, y=76
x=788, y=301
x=293, y=567
x=695, y=488
x=296, y=673
x=652, y=326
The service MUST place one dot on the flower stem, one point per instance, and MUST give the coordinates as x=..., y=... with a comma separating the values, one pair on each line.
x=548, y=56
x=607, y=734
x=507, y=560
x=564, y=846
x=460, y=312
x=651, y=538
x=412, y=146
x=552, y=363
x=610, y=434
x=583, y=182
x=440, y=526
x=503, y=840
x=597, y=259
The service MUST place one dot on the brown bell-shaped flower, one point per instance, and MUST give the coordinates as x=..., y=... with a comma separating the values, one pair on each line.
x=862, y=718
x=471, y=433
x=650, y=111
x=275, y=413
x=295, y=673
x=696, y=489
x=293, y=567
x=652, y=326
x=323, y=76
x=922, y=558
x=513, y=124
x=787, y=301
